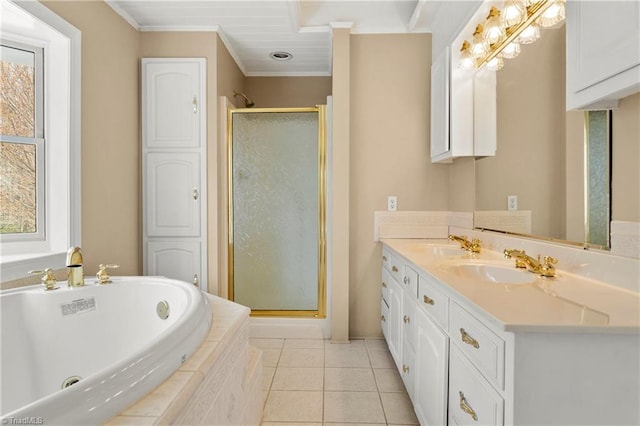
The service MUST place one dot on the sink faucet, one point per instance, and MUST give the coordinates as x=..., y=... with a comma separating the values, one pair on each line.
x=472, y=246
x=76, y=269
x=523, y=260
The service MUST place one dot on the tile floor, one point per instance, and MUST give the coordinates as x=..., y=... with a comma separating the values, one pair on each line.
x=315, y=382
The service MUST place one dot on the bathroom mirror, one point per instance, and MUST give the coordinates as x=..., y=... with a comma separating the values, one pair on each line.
x=540, y=147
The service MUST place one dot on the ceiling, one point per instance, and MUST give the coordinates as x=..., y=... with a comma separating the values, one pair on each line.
x=252, y=29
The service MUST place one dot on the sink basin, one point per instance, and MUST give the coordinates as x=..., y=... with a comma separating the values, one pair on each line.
x=495, y=273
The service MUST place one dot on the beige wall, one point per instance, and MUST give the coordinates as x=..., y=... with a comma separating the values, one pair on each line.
x=625, y=182
x=530, y=157
x=283, y=92
x=389, y=155
x=111, y=223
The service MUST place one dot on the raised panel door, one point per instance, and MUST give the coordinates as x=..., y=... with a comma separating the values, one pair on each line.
x=179, y=260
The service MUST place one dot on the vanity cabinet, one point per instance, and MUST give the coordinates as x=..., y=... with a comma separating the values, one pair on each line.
x=174, y=168
x=603, y=53
x=460, y=366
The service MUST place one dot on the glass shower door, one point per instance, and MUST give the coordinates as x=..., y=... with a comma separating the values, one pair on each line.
x=276, y=196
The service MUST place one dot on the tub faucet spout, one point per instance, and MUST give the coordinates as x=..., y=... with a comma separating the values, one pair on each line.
x=76, y=267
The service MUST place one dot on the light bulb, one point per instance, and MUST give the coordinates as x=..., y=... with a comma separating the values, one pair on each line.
x=465, y=60
x=552, y=15
x=511, y=50
x=493, y=29
x=495, y=64
x=513, y=13
x=529, y=34
x=479, y=45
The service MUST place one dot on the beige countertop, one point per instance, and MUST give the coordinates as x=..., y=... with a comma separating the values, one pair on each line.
x=564, y=303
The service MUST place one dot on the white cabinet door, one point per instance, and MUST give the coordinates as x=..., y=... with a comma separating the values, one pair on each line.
x=172, y=107
x=395, y=322
x=440, y=105
x=179, y=260
x=431, y=371
x=172, y=194
x=603, y=51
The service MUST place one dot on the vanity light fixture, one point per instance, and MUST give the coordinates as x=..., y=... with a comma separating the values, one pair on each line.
x=503, y=31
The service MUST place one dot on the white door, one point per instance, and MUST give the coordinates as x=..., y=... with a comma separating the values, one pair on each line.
x=179, y=260
x=173, y=194
x=173, y=103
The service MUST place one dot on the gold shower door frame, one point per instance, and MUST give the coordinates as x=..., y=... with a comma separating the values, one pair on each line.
x=322, y=174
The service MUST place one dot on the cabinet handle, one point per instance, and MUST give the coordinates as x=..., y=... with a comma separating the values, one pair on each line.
x=428, y=300
x=384, y=284
x=405, y=368
x=406, y=280
x=195, y=193
x=394, y=269
x=382, y=318
x=195, y=105
x=464, y=406
x=196, y=281
x=468, y=339
x=384, y=258
x=406, y=319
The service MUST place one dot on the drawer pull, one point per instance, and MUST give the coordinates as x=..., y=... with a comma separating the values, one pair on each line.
x=464, y=406
x=406, y=280
x=382, y=318
x=406, y=319
x=468, y=339
x=384, y=258
x=405, y=368
x=428, y=300
x=394, y=269
x=384, y=284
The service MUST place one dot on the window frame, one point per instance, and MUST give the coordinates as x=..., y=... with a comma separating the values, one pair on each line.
x=62, y=90
x=37, y=140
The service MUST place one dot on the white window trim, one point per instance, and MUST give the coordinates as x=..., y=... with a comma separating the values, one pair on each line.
x=62, y=43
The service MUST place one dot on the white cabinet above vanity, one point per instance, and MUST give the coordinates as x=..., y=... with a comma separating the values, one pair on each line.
x=603, y=53
x=478, y=341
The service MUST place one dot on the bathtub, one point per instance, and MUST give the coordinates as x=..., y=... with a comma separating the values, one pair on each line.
x=107, y=344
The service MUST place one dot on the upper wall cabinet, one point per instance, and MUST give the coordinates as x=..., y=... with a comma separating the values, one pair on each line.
x=603, y=53
x=463, y=107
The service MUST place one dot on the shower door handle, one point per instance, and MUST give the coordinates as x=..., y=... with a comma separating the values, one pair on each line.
x=195, y=105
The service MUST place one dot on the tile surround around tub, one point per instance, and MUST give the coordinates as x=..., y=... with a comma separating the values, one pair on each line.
x=357, y=383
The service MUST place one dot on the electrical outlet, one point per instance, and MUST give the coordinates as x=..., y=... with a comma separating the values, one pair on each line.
x=512, y=202
x=392, y=203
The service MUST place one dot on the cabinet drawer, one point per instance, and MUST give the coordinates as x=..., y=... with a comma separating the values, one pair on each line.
x=483, y=348
x=396, y=267
x=433, y=301
x=386, y=255
x=410, y=281
x=386, y=280
x=471, y=399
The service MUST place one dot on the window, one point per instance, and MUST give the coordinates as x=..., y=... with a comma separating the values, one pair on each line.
x=21, y=142
x=39, y=138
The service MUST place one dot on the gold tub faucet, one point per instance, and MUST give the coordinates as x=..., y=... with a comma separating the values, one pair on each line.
x=523, y=260
x=472, y=246
x=76, y=267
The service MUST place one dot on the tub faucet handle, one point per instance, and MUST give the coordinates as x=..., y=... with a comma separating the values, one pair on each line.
x=102, y=275
x=48, y=280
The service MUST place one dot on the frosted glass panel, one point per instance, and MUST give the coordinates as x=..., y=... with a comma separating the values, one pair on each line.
x=275, y=210
x=598, y=175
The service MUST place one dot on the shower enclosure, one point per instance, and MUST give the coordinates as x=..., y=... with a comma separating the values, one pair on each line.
x=277, y=172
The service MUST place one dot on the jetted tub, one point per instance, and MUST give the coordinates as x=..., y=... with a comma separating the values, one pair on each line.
x=108, y=344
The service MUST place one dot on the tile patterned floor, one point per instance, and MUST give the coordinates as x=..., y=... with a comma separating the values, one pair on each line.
x=315, y=382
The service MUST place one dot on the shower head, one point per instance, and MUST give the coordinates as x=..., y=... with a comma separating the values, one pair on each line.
x=248, y=103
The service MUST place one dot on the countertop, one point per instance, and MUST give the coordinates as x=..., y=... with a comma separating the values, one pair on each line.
x=564, y=303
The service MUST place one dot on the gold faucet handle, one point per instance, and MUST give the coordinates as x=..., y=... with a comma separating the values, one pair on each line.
x=48, y=280
x=547, y=269
x=549, y=260
x=475, y=245
x=102, y=275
